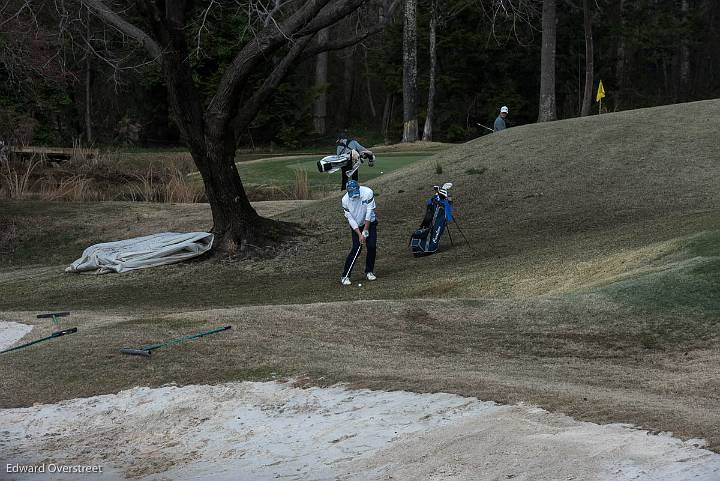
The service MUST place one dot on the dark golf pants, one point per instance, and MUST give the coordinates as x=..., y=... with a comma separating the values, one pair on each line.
x=370, y=245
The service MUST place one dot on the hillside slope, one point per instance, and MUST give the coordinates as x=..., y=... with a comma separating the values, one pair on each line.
x=618, y=189
x=550, y=208
x=592, y=286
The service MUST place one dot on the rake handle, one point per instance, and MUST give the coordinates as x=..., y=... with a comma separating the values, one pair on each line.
x=147, y=350
x=52, y=336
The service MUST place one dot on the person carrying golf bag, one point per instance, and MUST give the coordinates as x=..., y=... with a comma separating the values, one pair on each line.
x=358, y=203
x=438, y=212
x=347, y=146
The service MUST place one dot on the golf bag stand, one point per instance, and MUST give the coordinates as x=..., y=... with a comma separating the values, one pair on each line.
x=462, y=233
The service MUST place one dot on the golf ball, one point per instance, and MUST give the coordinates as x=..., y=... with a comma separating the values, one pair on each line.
x=359, y=285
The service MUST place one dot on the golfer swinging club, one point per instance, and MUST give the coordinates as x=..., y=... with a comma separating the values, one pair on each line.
x=359, y=206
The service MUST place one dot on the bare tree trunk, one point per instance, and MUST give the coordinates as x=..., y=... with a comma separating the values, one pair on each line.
x=371, y=100
x=387, y=116
x=588, y=95
x=684, y=89
x=389, y=96
x=88, y=102
x=236, y=225
x=620, y=66
x=427, y=131
x=348, y=86
x=548, y=103
x=321, y=71
x=410, y=123
x=88, y=97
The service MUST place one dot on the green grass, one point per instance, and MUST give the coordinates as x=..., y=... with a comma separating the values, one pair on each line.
x=691, y=281
x=282, y=172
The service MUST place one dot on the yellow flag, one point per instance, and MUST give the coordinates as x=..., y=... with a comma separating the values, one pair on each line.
x=601, y=92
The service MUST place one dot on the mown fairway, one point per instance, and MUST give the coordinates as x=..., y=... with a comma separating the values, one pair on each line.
x=282, y=171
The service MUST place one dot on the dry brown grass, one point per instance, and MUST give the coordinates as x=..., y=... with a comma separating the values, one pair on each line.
x=302, y=185
x=104, y=177
x=164, y=185
x=565, y=356
x=559, y=214
x=421, y=146
x=15, y=177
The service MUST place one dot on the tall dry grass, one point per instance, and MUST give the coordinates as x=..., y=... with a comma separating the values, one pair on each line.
x=76, y=188
x=16, y=177
x=301, y=186
x=164, y=185
x=92, y=176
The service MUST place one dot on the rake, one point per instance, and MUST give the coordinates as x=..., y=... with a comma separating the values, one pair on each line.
x=52, y=336
x=147, y=350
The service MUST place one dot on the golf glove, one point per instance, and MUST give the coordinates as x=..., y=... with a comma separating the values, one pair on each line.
x=366, y=234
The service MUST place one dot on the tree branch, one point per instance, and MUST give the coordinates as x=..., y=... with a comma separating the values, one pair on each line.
x=330, y=15
x=313, y=16
x=349, y=42
x=253, y=53
x=125, y=27
x=263, y=92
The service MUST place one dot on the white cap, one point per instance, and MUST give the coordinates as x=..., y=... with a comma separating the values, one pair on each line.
x=503, y=109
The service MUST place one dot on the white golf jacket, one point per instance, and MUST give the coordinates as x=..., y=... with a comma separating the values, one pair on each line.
x=359, y=209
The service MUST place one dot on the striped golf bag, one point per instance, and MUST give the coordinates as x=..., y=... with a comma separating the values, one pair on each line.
x=333, y=163
x=426, y=239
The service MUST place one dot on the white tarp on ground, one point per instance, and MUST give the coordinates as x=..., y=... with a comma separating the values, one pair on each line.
x=141, y=252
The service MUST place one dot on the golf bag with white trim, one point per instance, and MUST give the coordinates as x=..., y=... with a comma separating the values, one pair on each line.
x=426, y=240
x=349, y=163
x=333, y=163
x=438, y=213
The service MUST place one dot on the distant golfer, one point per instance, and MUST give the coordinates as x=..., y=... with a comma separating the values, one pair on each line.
x=500, y=121
x=359, y=206
x=346, y=145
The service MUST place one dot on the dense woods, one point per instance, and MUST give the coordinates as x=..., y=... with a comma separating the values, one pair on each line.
x=54, y=89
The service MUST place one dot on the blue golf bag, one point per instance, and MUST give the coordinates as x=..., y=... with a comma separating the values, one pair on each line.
x=426, y=239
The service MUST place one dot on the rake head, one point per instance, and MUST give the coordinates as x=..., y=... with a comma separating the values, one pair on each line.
x=136, y=352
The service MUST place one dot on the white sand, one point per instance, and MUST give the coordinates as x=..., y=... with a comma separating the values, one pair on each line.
x=268, y=431
x=10, y=332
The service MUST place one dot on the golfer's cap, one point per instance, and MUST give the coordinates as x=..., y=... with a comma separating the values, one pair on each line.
x=443, y=192
x=503, y=109
x=353, y=189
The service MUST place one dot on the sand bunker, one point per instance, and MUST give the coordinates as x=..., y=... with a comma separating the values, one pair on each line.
x=263, y=431
x=10, y=332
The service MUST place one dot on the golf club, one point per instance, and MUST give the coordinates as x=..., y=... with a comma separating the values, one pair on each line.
x=484, y=127
x=347, y=274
